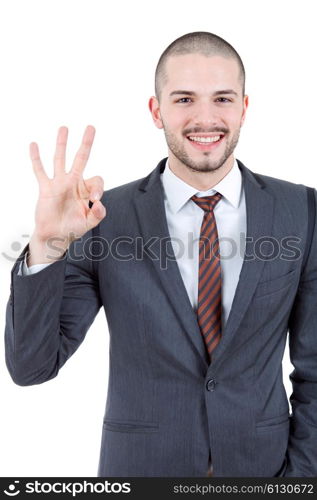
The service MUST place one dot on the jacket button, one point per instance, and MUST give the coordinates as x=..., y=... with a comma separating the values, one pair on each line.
x=211, y=385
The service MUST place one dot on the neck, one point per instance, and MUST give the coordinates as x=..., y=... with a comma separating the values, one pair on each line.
x=202, y=181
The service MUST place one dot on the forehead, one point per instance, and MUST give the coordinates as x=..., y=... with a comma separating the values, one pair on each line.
x=199, y=71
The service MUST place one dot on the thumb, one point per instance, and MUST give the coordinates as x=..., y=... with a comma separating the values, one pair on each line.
x=96, y=213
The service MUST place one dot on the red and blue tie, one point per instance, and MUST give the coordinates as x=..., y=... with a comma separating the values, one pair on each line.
x=209, y=280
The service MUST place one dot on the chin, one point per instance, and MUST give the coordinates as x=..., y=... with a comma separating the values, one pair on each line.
x=204, y=168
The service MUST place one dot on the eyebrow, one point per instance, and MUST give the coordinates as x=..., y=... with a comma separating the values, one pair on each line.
x=191, y=93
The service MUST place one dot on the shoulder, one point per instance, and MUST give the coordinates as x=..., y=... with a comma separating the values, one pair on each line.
x=281, y=189
x=122, y=194
x=275, y=183
x=287, y=193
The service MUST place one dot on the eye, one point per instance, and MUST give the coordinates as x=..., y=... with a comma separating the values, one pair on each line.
x=184, y=100
x=223, y=99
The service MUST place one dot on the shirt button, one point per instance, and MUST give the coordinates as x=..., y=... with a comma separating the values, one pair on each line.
x=211, y=385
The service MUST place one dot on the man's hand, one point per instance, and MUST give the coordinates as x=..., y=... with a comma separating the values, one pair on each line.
x=62, y=211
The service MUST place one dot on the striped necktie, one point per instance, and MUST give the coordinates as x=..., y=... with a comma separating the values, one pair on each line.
x=209, y=279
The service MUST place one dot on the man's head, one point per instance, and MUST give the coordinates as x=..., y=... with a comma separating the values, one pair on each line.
x=200, y=96
x=198, y=42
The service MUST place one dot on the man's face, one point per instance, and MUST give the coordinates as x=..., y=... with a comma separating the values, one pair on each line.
x=201, y=110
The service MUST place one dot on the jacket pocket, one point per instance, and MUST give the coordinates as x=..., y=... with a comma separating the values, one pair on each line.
x=273, y=423
x=130, y=426
x=267, y=287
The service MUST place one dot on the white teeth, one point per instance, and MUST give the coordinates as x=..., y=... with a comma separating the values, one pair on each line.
x=205, y=139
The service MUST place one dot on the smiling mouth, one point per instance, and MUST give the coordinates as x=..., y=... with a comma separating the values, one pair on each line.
x=205, y=142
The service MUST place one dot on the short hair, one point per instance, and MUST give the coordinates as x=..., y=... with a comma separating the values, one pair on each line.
x=198, y=42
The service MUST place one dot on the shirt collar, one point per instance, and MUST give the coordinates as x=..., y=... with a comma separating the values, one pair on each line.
x=178, y=192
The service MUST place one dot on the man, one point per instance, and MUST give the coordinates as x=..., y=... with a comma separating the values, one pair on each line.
x=198, y=314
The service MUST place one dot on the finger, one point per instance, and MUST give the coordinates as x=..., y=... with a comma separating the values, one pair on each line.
x=37, y=164
x=60, y=151
x=95, y=186
x=95, y=214
x=82, y=155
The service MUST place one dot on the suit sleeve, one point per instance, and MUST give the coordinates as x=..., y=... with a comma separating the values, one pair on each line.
x=302, y=446
x=25, y=270
x=49, y=313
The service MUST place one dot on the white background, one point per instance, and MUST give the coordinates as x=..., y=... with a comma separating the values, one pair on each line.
x=79, y=62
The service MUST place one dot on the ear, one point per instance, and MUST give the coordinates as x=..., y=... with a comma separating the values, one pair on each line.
x=245, y=105
x=154, y=108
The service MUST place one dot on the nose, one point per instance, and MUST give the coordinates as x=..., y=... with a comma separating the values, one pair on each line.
x=206, y=114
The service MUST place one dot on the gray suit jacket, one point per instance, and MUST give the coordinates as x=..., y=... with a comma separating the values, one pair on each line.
x=167, y=408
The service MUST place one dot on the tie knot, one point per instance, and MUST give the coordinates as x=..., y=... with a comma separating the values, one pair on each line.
x=207, y=203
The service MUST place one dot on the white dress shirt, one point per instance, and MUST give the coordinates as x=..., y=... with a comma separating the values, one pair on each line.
x=184, y=220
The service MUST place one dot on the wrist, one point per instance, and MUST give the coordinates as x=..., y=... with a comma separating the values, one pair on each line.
x=42, y=251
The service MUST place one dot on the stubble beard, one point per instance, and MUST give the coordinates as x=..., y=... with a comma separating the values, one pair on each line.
x=205, y=165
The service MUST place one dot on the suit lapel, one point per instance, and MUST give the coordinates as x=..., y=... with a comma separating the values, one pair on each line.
x=149, y=204
x=259, y=208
